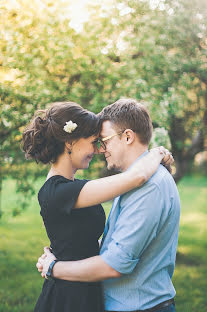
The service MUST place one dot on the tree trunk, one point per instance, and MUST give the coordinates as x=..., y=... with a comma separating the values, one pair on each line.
x=184, y=158
x=182, y=167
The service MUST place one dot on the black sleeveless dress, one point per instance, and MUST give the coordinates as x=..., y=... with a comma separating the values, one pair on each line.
x=73, y=235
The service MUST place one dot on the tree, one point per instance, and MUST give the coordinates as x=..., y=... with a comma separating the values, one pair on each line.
x=161, y=52
x=42, y=60
x=153, y=51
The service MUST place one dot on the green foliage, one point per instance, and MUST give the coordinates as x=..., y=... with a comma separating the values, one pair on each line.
x=155, y=52
x=160, y=137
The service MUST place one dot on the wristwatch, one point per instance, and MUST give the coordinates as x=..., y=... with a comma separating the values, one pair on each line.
x=49, y=272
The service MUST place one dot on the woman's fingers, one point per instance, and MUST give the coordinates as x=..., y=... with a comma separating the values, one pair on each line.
x=168, y=158
x=170, y=161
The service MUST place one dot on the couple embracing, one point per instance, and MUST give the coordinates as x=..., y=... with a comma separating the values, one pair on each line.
x=132, y=268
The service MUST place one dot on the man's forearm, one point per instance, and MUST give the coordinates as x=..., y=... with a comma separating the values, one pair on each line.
x=88, y=270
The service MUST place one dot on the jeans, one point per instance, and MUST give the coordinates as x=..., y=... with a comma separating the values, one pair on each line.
x=171, y=308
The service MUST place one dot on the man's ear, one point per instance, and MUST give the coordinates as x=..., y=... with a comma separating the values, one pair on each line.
x=129, y=135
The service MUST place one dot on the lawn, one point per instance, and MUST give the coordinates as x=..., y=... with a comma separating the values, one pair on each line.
x=22, y=239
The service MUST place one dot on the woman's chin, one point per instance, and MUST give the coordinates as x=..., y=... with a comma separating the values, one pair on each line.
x=85, y=165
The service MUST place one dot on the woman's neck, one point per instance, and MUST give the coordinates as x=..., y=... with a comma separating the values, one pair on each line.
x=63, y=167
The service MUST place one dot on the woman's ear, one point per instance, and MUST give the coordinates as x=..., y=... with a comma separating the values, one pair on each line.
x=68, y=146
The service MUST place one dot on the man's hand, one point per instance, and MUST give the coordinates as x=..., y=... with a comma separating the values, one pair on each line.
x=44, y=261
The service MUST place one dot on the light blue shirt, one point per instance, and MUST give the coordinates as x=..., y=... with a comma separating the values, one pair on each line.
x=140, y=241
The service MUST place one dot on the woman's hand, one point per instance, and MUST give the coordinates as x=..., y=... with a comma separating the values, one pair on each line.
x=147, y=165
x=142, y=169
x=167, y=160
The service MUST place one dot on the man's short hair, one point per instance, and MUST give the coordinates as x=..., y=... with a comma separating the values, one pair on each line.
x=129, y=114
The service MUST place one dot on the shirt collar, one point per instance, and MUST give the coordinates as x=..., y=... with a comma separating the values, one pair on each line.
x=138, y=158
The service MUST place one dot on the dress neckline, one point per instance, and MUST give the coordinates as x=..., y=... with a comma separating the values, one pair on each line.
x=59, y=175
x=56, y=175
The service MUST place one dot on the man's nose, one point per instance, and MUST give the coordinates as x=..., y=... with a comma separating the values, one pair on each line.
x=99, y=150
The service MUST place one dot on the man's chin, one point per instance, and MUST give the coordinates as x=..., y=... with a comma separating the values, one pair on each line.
x=112, y=167
x=109, y=167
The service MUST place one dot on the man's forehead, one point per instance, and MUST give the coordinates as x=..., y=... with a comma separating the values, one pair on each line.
x=107, y=128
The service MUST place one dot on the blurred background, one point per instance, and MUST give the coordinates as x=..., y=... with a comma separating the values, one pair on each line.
x=93, y=53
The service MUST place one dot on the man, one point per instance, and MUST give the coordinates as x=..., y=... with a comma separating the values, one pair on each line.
x=138, y=248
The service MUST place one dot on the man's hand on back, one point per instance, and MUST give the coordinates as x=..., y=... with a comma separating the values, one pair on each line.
x=44, y=261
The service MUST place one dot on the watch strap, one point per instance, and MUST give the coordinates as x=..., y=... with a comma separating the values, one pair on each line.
x=49, y=272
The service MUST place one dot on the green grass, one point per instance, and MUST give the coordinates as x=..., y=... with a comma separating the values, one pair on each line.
x=22, y=239
x=191, y=268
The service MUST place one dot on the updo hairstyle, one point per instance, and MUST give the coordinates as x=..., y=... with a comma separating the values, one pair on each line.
x=44, y=138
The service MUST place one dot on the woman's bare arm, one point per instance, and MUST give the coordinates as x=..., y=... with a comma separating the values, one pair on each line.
x=104, y=189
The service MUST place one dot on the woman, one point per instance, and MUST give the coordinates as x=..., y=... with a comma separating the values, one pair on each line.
x=66, y=136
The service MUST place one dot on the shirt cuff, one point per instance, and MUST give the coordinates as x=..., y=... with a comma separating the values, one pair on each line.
x=119, y=259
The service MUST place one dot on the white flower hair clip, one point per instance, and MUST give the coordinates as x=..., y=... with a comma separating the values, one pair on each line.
x=70, y=126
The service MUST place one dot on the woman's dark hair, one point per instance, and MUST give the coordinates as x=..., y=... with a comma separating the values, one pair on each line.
x=44, y=138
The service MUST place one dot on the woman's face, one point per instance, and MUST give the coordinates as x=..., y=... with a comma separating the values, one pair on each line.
x=83, y=151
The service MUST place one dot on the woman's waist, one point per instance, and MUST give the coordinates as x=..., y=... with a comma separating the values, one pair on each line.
x=63, y=283
x=72, y=254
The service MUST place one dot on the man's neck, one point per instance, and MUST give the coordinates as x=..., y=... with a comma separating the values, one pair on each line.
x=133, y=154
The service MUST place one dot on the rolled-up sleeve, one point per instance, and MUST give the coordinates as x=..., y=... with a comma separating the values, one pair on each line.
x=135, y=228
x=118, y=259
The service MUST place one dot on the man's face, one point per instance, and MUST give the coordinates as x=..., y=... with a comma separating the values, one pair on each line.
x=114, y=146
